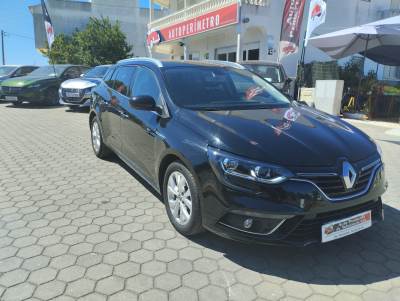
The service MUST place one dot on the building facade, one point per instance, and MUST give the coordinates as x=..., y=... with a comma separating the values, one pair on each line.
x=256, y=32
x=68, y=16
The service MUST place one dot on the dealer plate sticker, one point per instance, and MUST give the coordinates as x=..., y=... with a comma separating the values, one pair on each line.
x=11, y=98
x=341, y=228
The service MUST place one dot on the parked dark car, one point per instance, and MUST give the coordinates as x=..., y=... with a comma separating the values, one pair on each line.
x=9, y=71
x=40, y=86
x=272, y=72
x=229, y=153
x=77, y=92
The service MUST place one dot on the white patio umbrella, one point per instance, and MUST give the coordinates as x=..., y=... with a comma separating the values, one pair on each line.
x=349, y=41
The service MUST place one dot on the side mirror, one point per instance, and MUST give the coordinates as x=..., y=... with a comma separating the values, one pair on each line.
x=82, y=75
x=144, y=103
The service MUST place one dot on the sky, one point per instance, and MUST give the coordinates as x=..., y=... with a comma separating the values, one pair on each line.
x=17, y=22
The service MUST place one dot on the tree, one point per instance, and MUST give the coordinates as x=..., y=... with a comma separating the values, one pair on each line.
x=100, y=43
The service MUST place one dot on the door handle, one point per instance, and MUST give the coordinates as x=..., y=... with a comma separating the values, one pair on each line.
x=124, y=115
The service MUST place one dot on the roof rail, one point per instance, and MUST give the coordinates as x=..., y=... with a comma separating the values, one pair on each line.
x=224, y=63
x=156, y=62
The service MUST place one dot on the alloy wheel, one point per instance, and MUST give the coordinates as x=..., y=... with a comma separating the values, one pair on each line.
x=179, y=198
x=96, y=138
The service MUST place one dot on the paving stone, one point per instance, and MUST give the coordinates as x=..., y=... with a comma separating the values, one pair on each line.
x=50, y=290
x=18, y=292
x=139, y=283
x=71, y=273
x=13, y=277
x=110, y=285
x=153, y=268
x=167, y=281
x=115, y=258
x=127, y=269
x=269, y=291
x=211, y=292
x=123, y=296
x=42, y=276
x=99, y=271
x=80, y=287
x=184, y=293
x=153, y=294
x=195, y=280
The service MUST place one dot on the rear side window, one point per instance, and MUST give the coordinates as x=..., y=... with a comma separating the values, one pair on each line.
x=123, y=79
x=146, y=84
x=108, y=76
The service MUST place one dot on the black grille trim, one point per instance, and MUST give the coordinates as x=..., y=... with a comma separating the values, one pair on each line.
x=332, y=186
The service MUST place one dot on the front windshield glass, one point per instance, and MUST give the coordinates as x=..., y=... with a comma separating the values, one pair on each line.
x=6, y=70
x=97, y=72
x=220, y=88
x=48, y=71
x=270, y=73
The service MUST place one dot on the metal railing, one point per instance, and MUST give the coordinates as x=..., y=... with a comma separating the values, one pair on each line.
x=190, y=12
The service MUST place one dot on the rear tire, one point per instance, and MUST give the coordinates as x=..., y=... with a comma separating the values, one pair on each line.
x=16, y=103
x=181, y=198
x=99, y=148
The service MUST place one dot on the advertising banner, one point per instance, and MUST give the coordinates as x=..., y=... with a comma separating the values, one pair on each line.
x=216, y=19
x=316, y=16
x=291, y=26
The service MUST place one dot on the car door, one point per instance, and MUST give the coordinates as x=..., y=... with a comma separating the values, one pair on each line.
x=118, y=93
x=140, y=128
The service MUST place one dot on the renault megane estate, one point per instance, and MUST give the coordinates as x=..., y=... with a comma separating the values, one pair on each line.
x=231, y=154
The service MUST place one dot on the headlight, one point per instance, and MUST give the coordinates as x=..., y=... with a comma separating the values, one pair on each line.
x=87, y=90
x=229, y=165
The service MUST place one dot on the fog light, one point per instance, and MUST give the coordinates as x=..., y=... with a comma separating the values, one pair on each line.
x=248, y=223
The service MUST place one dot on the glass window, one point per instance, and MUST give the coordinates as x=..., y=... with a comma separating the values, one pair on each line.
x=220, y=88
x=6, y=70
x=49, y=71
x=232, y=56
x=270, y=73
x=254, y=54
x=123, y=79
x=146, y=84
x=97, y=72
x=72, y=72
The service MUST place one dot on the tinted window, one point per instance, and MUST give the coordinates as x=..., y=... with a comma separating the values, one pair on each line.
x=97, y=72
x=220, y=88
x=72, y=72
x=123, y=79
x=108, y=76
x=48, y=71
x=271, y=73
x=146, y=84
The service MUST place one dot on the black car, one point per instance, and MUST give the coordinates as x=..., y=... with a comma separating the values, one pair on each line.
x=229, y=153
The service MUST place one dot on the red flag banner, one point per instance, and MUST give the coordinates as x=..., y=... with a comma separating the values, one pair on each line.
x=291, y=26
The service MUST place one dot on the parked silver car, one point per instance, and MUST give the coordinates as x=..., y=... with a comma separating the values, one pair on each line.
x=78, y=92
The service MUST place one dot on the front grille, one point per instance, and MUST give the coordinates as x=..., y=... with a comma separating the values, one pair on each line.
x=72, y=91
x=333, y=186
x=11, y=90
x=309, y=230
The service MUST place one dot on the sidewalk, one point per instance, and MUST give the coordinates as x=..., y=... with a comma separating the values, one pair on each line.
x=393, y=129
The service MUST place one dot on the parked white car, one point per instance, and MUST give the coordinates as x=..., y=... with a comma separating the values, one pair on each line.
x=78, y=92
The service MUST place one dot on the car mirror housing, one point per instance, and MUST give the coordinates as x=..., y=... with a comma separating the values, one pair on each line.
x=144, y=103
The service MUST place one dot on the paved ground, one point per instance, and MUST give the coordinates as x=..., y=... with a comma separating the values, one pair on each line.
x=73, y=226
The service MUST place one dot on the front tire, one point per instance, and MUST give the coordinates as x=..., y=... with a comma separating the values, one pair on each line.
x=99, y=148
x=181, y=198
x=52, y=97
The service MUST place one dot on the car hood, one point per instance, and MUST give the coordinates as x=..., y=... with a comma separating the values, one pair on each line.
x=290, y=136
x=26, y=81
x=80, y=83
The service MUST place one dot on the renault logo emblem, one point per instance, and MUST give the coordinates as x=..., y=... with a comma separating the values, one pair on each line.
x=349, y=175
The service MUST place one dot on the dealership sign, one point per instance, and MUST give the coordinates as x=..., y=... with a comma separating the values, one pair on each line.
x=225, y=16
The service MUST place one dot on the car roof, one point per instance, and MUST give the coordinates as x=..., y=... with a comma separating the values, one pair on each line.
x=180, y=63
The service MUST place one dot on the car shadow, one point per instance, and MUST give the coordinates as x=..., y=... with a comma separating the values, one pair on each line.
x=77, y=110
x=366, y=257
x=370, y=256
x=32, y=106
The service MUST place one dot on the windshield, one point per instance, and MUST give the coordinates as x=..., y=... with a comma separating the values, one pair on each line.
x=220, y=88
x=96, y=72
x=48, y=71
x=6, y=70
x=270, y=73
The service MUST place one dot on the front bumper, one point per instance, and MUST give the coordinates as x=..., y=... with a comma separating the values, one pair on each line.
x=79, y=98
x=23, y=95
x=290, y=213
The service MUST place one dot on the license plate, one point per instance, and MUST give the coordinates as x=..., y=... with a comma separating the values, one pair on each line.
x=11, y=98
x=71, y=94
x=341, y=228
